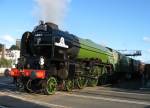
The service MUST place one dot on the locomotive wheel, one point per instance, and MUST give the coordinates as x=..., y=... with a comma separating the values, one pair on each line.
x=104, y=77
x=19, y=84
x=94, y=72
x=50, y=86
x=29, y=86
x=81, y=82
x=69, y=85
x=93, y=82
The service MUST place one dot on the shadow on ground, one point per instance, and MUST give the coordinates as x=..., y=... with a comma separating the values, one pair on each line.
x=6, y=83
x=9, y=102
x=130, y=86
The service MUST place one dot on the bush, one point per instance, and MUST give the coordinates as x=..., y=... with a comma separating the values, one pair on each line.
x=5, y=62
x=14, y=47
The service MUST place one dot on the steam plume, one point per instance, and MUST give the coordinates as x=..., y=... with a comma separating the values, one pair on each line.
x=51, y=10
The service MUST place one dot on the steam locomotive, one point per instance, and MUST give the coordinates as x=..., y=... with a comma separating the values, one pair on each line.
x=52, y=59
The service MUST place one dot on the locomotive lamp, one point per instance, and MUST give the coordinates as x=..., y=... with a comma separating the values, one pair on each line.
x=41, y=62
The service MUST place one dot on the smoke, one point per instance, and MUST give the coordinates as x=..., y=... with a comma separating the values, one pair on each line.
x=51, y=10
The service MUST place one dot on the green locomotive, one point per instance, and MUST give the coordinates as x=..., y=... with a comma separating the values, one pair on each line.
x=52, y=59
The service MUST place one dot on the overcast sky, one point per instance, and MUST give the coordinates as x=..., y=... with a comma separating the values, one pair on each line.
x=119, y=24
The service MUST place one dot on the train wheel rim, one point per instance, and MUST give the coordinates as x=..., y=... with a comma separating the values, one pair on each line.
x=51, y=85
x=29, y=86
x=96, y=71
x=103, y=79
x=81, y=82
x=19, y=84
x=69, y=85
x=92, y=82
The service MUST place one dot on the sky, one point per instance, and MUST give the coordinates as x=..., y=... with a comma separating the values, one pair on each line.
x=118, y=24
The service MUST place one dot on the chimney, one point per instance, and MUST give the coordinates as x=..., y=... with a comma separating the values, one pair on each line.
x=52, y=25
x=3, y=51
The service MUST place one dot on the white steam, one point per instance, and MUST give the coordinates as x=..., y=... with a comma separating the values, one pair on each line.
x=51, y=10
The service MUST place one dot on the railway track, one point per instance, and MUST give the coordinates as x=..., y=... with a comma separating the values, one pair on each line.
x=93, y=94
x=134, y=96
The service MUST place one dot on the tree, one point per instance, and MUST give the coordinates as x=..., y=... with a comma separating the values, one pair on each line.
x=1, y=46
x=14, y=47
x=5, y=62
